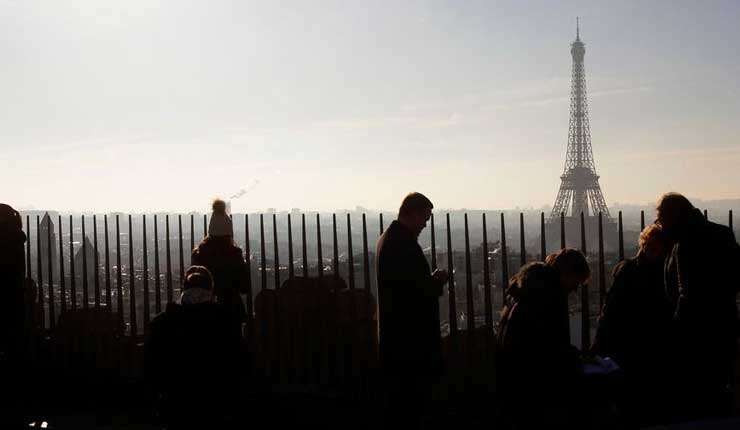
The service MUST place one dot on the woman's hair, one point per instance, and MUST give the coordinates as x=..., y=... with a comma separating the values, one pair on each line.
x=569, y=261
x=652, y=231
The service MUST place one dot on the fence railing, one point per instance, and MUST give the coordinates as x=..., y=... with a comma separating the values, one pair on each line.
x=134, y=296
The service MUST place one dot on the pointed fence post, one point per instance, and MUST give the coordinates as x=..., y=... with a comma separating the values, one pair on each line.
x=469, y=297
x=119, y=277
x=168, y=260
x=182, y=257
x=433, y=243
x=522, y=245
x=585, y=317
x=543, y=240
x=451, y=284
x=562, y=230
x=132, y=282
x=85, y=294
x=504, y=263
x=50, y=271
x=145, y=271
x=304, y=246
x=72, y=276
x=108, y=293
x=319, y=251
x=40, y=275
x=621, y=238
x=248, y=269
x=157, y=280
x=336, y=246
x=96, y=264
x=291, y=266
x=488, y=300
x=62, y=287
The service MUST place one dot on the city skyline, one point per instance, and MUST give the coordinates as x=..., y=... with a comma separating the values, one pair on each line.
x=139, y=106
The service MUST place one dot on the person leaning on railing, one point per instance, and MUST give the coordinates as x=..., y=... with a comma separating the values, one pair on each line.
x=702, y=282
x=634, y=330
x=539, y=371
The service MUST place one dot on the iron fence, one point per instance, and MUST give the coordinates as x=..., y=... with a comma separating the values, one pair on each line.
x=123, y=290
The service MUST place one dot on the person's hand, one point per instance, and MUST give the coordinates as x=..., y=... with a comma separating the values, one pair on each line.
x=440, y=276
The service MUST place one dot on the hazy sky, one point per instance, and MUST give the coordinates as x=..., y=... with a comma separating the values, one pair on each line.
x=142, y=105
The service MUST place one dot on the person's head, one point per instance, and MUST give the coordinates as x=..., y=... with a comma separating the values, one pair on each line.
x=11, y=224
x=673, y=212
x=415, y=211
x=220, y=225
x=197, y=286
x=653, y=242
x=572, y=268
x=12, y=238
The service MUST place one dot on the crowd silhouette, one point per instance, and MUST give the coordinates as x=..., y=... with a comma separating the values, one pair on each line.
x=664, y=352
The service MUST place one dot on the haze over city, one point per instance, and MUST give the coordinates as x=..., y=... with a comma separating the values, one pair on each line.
x=143, y=105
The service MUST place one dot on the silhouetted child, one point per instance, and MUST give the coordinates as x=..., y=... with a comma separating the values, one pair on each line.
x=192, y=357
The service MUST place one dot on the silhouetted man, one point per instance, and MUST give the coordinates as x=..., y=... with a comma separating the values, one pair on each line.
x=13, y=316
x=12, y=268
x=408, y=296
x=702, y=281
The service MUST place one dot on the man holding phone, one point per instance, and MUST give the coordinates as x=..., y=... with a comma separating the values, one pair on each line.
x=408, y=298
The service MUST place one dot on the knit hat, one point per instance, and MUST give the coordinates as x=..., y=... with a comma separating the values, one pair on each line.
x=197, y=287
x=198, y=277
x=220, y=224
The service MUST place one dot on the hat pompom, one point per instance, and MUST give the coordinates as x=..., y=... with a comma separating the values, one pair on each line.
x=219, y=206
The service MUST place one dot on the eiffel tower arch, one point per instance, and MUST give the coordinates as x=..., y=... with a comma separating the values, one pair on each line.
x=580, y=191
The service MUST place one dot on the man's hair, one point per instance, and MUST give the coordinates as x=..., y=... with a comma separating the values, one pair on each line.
x=414, y=203
x=674, y=203
x=198, y=277
x=569, y=260
x=652, y=231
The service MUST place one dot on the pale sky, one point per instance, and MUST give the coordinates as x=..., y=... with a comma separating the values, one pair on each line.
x=162, y=105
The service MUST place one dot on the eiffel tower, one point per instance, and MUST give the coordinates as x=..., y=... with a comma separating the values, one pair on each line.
x=579, y=188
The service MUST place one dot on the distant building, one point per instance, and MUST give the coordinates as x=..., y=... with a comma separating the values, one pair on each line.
x=47, y=234
x=87, y=250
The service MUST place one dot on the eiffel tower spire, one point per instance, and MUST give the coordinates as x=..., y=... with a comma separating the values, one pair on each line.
x=579, y=187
